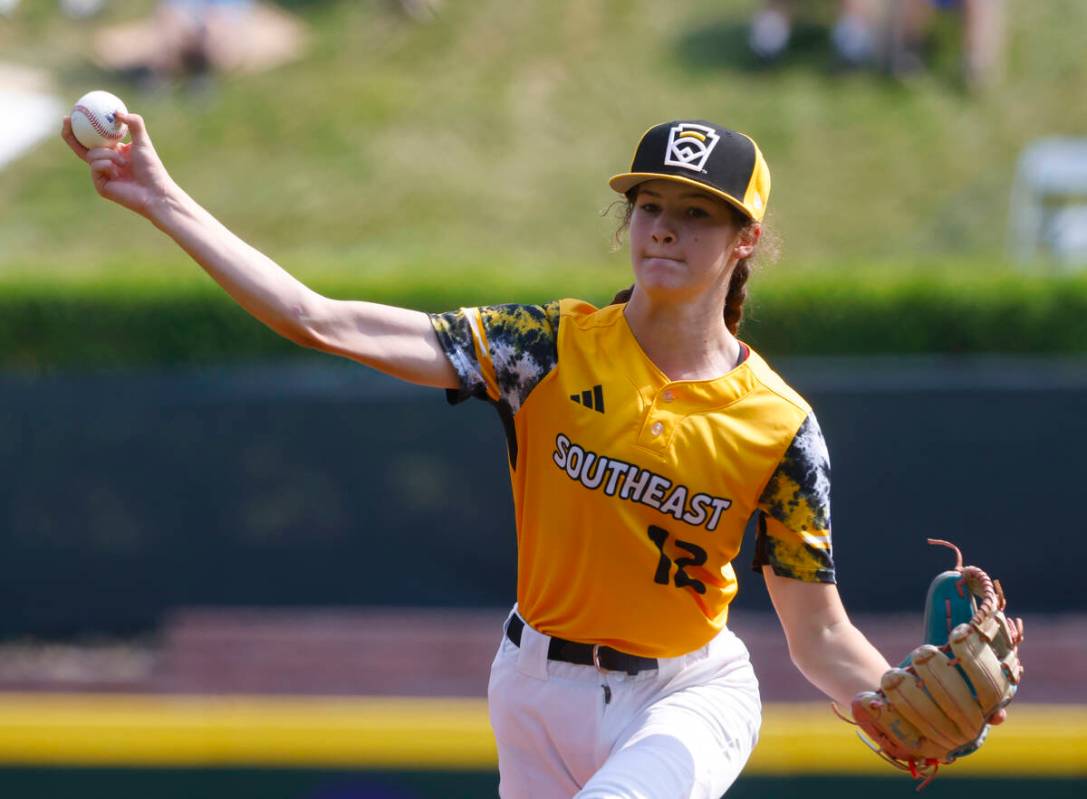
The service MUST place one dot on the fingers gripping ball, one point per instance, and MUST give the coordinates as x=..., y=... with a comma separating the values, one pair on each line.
x=937, y=705
x=94, y=120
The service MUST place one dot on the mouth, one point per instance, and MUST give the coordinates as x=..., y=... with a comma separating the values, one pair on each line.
x=667, y=258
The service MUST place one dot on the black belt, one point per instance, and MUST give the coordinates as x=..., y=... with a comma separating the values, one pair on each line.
x=603, y=657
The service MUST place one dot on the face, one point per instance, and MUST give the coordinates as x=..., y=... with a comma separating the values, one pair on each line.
x=683, y=241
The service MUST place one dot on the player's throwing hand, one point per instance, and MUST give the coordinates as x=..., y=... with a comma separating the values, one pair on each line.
x=130, y=175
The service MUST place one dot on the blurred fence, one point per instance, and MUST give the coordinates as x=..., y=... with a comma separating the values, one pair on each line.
x=320, y=482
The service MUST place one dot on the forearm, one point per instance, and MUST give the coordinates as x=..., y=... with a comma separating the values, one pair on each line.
x=397, y=341
x=256, y=282
x=838, y=660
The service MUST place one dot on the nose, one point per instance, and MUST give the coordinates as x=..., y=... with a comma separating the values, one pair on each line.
x=663, y=232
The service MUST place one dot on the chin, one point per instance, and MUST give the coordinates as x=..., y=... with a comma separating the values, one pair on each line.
x=662, y=274
x=666, y=290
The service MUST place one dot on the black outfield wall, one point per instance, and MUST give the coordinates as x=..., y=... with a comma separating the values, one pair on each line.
x=319, y=482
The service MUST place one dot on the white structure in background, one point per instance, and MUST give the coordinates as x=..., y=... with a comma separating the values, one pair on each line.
x=32, y=112
x=1048, y=215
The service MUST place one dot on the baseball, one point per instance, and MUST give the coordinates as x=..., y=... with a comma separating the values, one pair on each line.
x=94, y=120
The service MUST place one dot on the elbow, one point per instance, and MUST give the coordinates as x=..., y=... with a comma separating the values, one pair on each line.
x=303, y=336
x=804, y=653
x=302, y=339
x=302, y=325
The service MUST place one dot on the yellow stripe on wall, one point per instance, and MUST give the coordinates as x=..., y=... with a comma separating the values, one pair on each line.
x=241, y=730
x=1037, y=740
x=411, y=733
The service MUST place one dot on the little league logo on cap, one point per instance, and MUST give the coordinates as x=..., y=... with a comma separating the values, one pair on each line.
x=716, y=160
x=689, y=145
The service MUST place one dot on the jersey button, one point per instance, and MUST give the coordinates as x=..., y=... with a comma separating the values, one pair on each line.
x=657, y=428
x=667, y=395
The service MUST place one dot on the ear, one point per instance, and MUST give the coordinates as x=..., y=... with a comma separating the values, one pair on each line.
x=746, y=241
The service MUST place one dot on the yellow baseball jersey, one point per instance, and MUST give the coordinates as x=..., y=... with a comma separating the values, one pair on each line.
x=632, y=491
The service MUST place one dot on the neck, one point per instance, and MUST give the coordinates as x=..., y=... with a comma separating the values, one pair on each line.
x=687, y=341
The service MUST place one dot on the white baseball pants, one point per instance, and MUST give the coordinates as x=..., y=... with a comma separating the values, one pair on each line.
x=683, y=731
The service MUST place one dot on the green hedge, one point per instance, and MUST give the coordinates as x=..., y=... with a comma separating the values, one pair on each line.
x=921, y=315
x=114, y=325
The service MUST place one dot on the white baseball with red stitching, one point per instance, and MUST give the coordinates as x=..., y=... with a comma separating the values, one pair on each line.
x=94, y=120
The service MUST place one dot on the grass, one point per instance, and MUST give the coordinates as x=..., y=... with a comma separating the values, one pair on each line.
x=480, y=144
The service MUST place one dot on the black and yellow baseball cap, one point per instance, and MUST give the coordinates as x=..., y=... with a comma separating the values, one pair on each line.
x=717, y=160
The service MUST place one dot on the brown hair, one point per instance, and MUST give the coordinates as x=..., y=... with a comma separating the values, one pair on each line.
x=737, y=285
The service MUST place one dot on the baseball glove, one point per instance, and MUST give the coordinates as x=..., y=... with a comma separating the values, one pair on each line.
x=936, y=706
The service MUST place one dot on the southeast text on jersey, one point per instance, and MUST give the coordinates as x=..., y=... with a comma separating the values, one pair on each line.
x=631, y=482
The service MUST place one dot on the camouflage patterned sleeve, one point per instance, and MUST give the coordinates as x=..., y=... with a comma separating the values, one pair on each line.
x=500, y=352
x=793, y=533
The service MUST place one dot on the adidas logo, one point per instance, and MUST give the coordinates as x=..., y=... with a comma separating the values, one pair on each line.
x=591, y=398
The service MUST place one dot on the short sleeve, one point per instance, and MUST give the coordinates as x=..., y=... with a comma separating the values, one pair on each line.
x=793, y=531
x=500, y=352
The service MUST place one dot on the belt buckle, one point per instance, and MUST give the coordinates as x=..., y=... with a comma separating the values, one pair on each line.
x=596, y=658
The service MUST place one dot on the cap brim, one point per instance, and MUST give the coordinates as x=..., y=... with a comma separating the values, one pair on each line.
x=628, y=180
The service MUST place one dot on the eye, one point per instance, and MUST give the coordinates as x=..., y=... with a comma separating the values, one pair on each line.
x=697, y=213
x=649, y=208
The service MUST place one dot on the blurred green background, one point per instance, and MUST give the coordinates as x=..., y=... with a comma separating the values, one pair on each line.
x=483, y=140
x=464, y=160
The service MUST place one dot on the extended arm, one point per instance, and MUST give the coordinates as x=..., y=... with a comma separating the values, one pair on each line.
x=830, y=652
x=397, y=341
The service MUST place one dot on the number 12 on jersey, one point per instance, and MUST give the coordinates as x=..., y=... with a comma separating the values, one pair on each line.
x=697, y=557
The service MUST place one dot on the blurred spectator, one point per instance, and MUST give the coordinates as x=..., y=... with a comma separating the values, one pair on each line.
x=194, y=39
x=196, y=36
x=982, y=24
x=853, y=35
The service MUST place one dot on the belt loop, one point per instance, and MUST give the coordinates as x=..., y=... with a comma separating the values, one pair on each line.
x=667, y=668
x=509, y=616
x=603, y=674
x=532, y=654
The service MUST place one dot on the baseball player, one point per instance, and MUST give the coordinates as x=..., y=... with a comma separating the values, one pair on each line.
x=641, y=438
